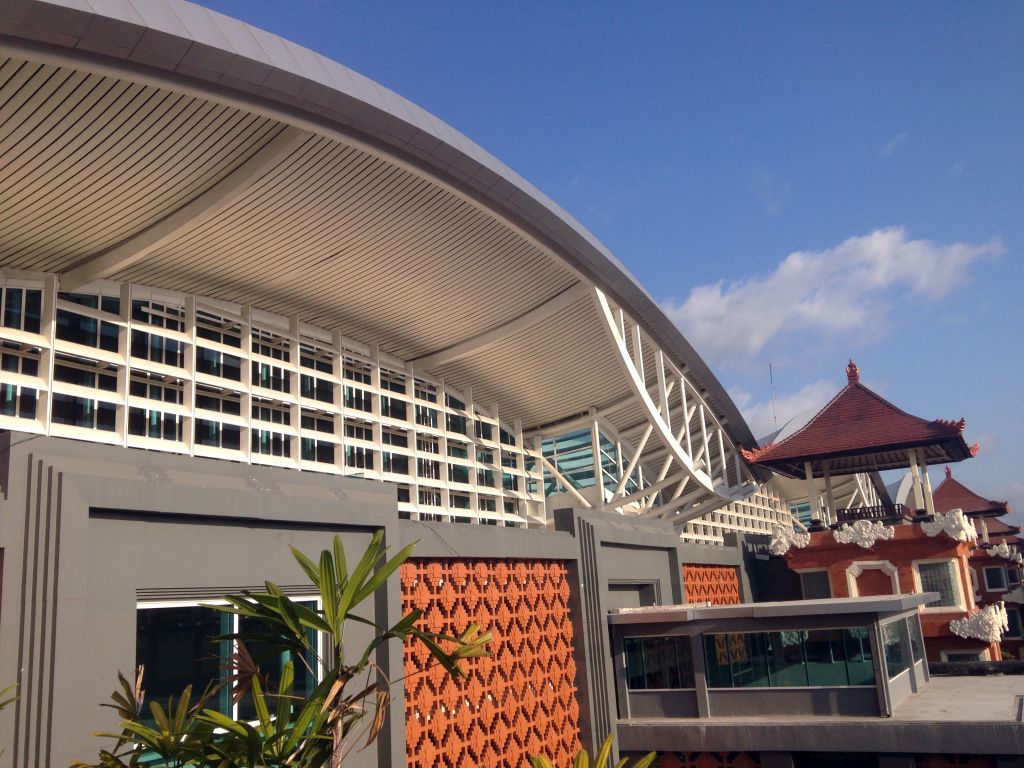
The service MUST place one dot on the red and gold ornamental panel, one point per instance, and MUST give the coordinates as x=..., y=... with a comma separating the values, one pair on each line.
x=717, y=584
x=519, y=701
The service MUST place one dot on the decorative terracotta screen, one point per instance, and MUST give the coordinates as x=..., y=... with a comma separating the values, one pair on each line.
x=519, y=701
x=717, y=584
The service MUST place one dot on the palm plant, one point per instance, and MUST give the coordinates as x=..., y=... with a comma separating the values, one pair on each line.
x=292, y=728
x=603, y=759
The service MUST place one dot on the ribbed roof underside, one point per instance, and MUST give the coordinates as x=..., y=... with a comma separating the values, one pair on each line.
x=349, y=241
x=87, y=161
x=342, y=238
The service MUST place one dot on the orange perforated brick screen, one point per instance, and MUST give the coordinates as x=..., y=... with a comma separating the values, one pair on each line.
x=519, y=701
x=718, y=584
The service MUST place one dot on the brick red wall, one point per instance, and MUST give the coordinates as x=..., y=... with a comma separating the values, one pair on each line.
x=519, y=701
x=910, y=544
x=717, y=584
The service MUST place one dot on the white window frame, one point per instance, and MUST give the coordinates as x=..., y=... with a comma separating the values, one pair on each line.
x=157, y=604
x=1002, y=570
x=802, y=571
x=958, y=586
x=856, y=568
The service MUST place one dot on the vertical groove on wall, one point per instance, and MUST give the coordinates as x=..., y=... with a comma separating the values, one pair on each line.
x=44, y=566
x=594, y=631
x=19, y=703
x=38, y=617
x=54, y=597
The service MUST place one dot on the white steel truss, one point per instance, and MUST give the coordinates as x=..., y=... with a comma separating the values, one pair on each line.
x=679, y=463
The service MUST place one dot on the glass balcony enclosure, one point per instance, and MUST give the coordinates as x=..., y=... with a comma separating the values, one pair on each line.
x=828, y=657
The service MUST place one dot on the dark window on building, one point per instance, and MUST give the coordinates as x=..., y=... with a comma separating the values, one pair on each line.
x=995, y=579
x=83, y=412
x=658, y=662
x=815, y=585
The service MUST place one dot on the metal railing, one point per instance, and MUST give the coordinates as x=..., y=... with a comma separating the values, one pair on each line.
x=877, y=512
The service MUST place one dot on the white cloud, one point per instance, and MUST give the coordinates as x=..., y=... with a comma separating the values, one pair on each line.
x=843, y=291
x=890, y=146
x=763, y=419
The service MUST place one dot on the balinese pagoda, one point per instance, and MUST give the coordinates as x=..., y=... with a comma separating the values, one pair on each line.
x=888, y=548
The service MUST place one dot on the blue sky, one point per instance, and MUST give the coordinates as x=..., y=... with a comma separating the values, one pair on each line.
x=796, y=183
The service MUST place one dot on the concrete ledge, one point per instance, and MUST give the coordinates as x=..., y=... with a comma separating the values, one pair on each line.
x=825, y=735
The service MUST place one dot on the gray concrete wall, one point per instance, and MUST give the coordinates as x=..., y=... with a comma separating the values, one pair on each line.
x=747, y=702
x=87, y=531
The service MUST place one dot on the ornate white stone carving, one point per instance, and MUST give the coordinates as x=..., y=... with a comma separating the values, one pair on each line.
x=1002, y=549
x=1015, y=596
x=863, y=533
x=954, y=523
x=986, y=625
x=784, y=537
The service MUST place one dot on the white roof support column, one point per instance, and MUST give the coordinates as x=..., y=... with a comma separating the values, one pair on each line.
x=832, y=514
x=929, y=501
x=916, y=479
x=812, y=491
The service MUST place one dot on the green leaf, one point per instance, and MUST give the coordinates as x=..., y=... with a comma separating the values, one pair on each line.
x=308, y=566
x=223, y=721
x=604, y=753
x=383, y=573
x=160, y=717
x=340, y=564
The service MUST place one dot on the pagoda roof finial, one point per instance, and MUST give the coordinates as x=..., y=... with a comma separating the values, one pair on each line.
x=852, y=372
x=949, y=473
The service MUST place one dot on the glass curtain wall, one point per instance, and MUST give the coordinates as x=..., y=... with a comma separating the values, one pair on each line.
x=573, y=456
x=793, y=658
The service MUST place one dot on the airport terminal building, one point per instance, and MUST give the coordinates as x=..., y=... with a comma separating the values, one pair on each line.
x=250, y=299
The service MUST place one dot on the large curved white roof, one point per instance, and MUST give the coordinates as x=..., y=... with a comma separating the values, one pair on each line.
x=160, y=143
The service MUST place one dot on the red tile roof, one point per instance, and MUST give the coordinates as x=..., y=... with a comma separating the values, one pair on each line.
x=952, y=494
x=858, y=421
x=997, y=527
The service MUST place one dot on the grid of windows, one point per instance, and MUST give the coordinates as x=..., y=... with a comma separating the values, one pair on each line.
x=161, y=370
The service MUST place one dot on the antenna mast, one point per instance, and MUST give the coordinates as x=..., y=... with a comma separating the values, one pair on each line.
x=771, y=378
